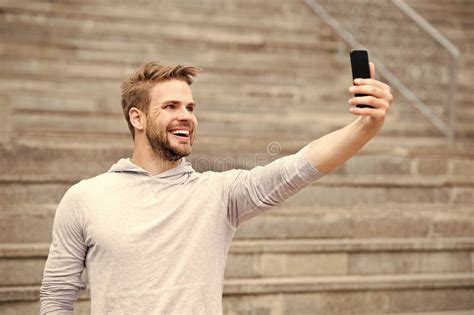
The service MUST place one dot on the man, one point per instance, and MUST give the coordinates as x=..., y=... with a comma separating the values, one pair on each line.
x=153, y=233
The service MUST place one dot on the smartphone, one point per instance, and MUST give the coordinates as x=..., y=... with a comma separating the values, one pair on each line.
x=360, y=68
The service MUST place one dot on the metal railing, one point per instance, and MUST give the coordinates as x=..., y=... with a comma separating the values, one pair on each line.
x=409, y=52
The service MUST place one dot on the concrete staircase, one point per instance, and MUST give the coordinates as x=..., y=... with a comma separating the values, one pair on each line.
x=420, y=62
x=454, y=20
x=391, y=232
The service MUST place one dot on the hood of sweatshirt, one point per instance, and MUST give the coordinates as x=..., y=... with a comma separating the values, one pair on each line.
x=184, y=169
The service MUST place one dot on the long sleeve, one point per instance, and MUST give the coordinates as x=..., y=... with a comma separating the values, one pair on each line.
x=252, y=192
x=65, y=264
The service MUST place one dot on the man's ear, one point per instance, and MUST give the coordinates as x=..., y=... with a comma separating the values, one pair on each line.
x=137, y=118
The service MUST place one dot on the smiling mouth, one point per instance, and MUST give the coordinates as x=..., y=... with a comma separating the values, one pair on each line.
x=181, y=133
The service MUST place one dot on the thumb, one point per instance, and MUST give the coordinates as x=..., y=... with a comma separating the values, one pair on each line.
x=372, y=70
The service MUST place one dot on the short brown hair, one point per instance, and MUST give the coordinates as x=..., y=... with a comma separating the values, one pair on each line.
x=136, y=88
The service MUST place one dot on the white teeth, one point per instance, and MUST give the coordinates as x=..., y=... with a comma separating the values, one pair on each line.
x=180, y=132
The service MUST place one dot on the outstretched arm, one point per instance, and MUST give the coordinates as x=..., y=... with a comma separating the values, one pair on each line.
x=332, y=150
x=253, y=192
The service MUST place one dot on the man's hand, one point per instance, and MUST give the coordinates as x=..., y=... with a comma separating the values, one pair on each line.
x=378, y=96
x=332, y=150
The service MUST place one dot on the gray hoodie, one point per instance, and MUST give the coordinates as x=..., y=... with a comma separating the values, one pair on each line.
x=158, y=244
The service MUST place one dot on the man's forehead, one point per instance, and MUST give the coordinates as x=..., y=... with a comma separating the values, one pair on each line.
x=173, y=90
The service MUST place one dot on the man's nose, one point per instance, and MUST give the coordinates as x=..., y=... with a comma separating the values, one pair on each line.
x=184, y=114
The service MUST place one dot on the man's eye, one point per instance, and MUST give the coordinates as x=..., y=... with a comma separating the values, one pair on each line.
x=169, y=106
x=191, y=108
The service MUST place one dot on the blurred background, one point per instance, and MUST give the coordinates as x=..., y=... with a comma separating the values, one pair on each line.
x=390, y=232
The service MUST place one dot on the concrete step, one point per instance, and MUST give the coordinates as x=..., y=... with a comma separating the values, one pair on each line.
x=270, y=258
x=314, y=120
x=232, y=103
x=20, y=160
x=28, y=56
x=330, y=191
x=401, y=144
x=325, y=295
x=59, y=27
x=327, y=121
x=307, y=124
x=146, y=12
x=388, y=221
x=239, y=35
x=355, y=302
x=199, y=17
x=31, y=121
x=250, y=82
x=23, y=264
x=33, y=222
x=257, y=98
x=230, y=95
x=99, y=64
x=226, y=77
x=216, y=143
x=383, y=155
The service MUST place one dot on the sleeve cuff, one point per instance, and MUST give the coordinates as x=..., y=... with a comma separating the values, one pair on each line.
x=308, y=171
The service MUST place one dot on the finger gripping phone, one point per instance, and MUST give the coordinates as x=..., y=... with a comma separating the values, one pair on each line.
x=360, y=68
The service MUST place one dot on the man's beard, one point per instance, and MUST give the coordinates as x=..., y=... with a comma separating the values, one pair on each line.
x=161, y=146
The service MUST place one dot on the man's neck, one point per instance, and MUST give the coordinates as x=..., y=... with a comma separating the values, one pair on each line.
x=151, y=162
